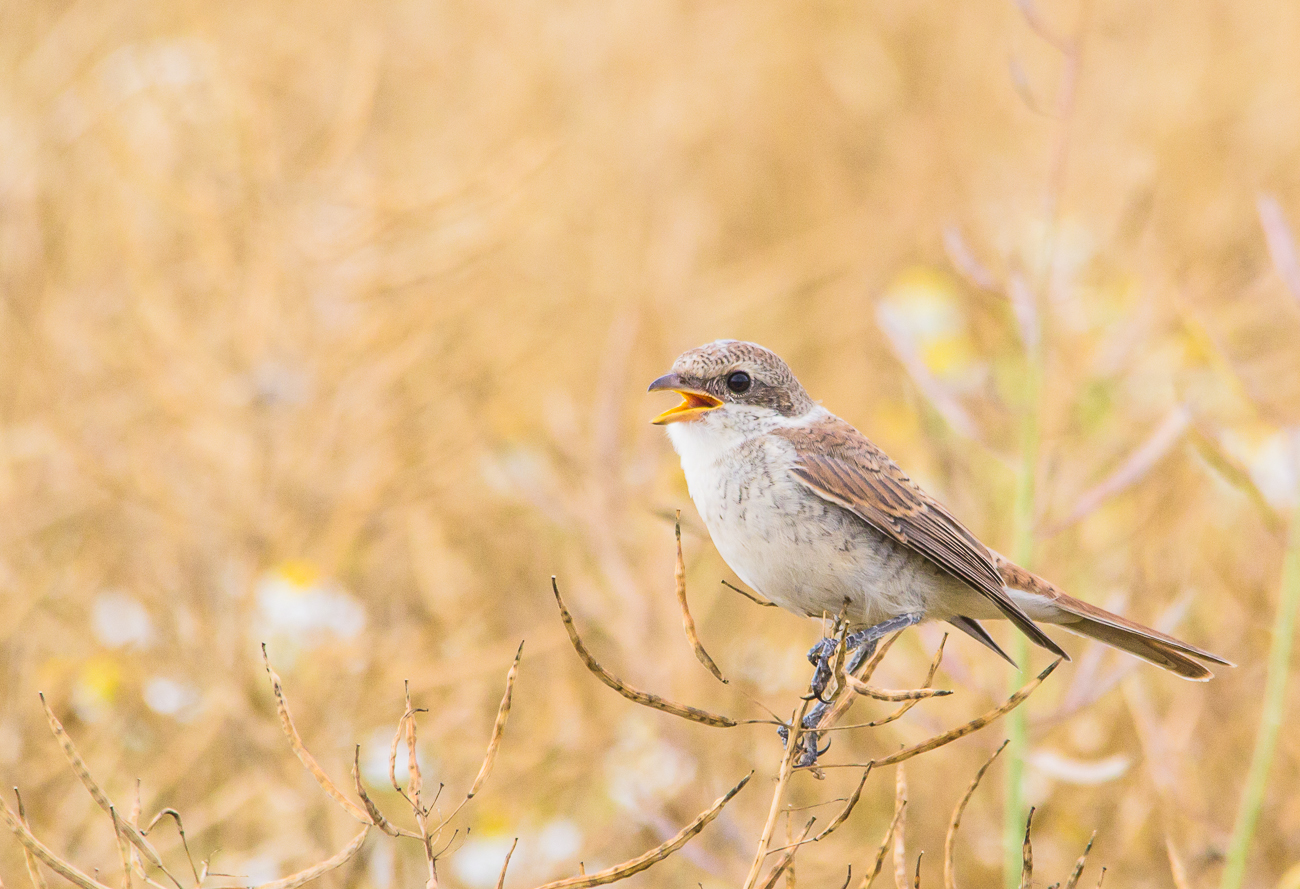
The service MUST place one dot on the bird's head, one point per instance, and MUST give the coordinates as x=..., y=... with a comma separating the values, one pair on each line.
x=733, y=385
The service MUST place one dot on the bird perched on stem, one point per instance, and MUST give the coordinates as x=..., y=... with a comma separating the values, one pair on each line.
x=812, y=515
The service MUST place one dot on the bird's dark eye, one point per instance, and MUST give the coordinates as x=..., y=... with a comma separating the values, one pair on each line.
x=738, y=382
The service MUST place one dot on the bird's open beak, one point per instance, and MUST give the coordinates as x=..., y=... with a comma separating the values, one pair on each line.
x=694, y=402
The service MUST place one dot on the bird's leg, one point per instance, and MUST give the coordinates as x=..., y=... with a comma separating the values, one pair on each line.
x=863, y=642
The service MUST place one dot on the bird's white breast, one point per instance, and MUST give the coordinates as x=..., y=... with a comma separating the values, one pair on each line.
x=793, y=547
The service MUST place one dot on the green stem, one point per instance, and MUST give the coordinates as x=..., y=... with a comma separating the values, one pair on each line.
x=1014, y=811
x=1270, y=721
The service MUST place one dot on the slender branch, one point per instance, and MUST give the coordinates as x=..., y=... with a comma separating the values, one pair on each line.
x=300, y=750
x=688, y=622
x=950, y=842
x=645, y=699
x=657, y=854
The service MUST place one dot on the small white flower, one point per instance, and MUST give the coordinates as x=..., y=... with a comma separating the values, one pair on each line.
x=120, y=620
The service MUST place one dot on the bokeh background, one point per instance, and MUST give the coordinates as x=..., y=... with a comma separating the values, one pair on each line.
x=329, y=324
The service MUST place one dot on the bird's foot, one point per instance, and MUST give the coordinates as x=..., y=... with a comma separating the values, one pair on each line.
x=821, y=655
x=860, y=645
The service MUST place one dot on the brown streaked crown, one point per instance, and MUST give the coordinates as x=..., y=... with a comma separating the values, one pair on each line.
x=772, y=384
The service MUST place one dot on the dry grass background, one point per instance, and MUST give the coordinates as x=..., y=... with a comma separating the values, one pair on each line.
x=328, y=325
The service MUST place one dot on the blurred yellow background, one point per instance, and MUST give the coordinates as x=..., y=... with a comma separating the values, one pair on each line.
x=328, y=325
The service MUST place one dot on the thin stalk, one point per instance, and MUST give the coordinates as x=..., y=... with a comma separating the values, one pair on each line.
x=1270, y=721
x=1014, y=812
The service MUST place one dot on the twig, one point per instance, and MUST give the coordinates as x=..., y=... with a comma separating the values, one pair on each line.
x=1027, y=854
x=900, y=803
x=847, y=810
x=950, y=842
x=494, y=742
x=305, y=757
x=782, y=778
x=123, y=847
x=929, y=677
x=415, y=786
x=888, y=694
x=101, y=798
x=501, y=880
x=1073, y=881
x=38, y=879
x=756, y=599
x=645, y=699
x=305, y=876
x=845, y=700
x=180, y=829
x=688, y=622
x=657, y=854
x=376, y=817
x=786, y=857
x=36, y=848
x=961, y=731
x=900, y=836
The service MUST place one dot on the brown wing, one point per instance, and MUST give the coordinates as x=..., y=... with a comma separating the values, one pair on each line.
x=842, y=466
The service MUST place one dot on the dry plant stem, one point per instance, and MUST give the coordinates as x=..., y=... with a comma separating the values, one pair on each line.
x=782, y=778
x=889, y=694
x=842, y=705
x=123, y=847
x=916, y=881
x=101, y=798
x=376, y=817
x=37, y=849
x=1073, y=881
x=900, y=804
x=414, y=786
x=688, y=622
x=645, y=699
x=655, y=855
x=950, y=842
x=846, y=698
x=498, y=727
x=180, y=829
x=34, y=872
x=838, y=820
x=757, y=600
x=787, y=856
x=961, y=731
x=295, y=741
x=1027, y=855
x=494, y=742
x=133, y=818
x=848, y=808
x=505, y=865
x=900, y=834
x=306, y=876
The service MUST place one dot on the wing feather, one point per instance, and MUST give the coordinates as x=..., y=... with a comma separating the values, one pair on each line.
x=839, y=464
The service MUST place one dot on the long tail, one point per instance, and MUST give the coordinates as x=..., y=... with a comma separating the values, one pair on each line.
x=1044, y=602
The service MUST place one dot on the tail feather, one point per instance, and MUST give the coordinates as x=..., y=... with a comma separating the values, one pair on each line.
x=1161, y=649
x=1141, y=645
x=973, y=629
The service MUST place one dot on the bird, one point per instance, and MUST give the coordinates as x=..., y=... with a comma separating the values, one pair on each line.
x=811, y=514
